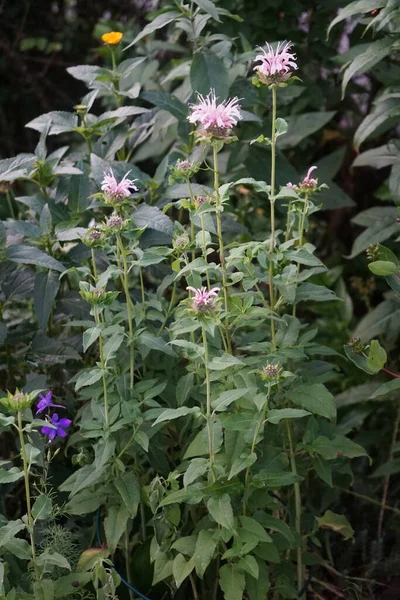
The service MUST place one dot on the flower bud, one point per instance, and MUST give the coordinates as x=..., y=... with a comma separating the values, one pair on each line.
x=18, y=401
x=96, y=296
x=270, y=373
x=116, y=223
x=94, y=238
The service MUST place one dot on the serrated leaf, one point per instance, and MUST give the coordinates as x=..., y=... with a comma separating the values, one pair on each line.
x=241, y=463
x=206, y=544
x=375, y=52
x=226, y=398
x=42, y=508
x=196, y=468
x=29, y=255
x=208, y=72
x=232, y=581
x=276, y=415
x=314, y=398
x=129, y=489
x=181, y=569
x=221, y=511
x=47, y=285
x=170, y=414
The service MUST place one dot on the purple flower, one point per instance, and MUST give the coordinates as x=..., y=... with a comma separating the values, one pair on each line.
x=115, y=191
x=276, y=64
x=214, y=118
x=309, y=181
x=45, y=402
x=203, y=300
x=60, y=424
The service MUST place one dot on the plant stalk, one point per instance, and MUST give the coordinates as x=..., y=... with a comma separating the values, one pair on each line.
x=103, y=367
x=297, y=500
x=27, y=494
x=387, y=478
x=219, y=225
x=208, y=409
x=272, y=208
x=125, y=283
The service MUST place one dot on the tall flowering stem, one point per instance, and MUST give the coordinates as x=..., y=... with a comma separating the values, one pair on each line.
x=272, y=206
x=125, y=283
x=219, y=225
x=210, y=431
x=31, y=529
x=102, y=366
x=297, y=509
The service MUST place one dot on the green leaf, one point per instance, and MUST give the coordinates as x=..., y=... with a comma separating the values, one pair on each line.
x=206, y=544
x=270, y=522
x=383, y=319
x=115, y=525
x=43, y=590
x=129, y=489
x=152, y=218
x=53, y=558
x=184, y=387
x=323, y=469
x=281, y=127
x=232, y=582
x=170, y=103
x=59, y=121
x=241, y=463
x=382, y=156
x=251, y=532
x=314, y=293
x=276, y=415
x=377, y=356
x=375, y=52
x=250, y=565
x=221, y=511
x=267, y=479
x=356, y=8
x=314, y=398
x=383, y=267
x=42, y=509
x=90, y=336
x=386, y=388
x=29, y=255
x=158, y=23
x=112, y=345
x=169, y=414
x=339, y=523
x=63, y=585
x=89, y=558
x=209, y=7
x=185, y=545
x=339, y=446
x=226, y=398
x=88, y=377
x=359, y=360
x=10, y=475
x=9, y=531
x=219, y=363
x=258, y=588
x=47, y=285
x=181, y=569
x=302, y=126
x=196, y=468
x=392, y=467
x=152, y=342
x=208, y=72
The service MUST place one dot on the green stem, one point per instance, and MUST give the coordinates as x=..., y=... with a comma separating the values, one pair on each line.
x=272, y=207
x=208, y=409
x=10, y=206
x=255, y=437
x=118, y=97
x=297, y=506
x=219, y=225
x=102, y=366
x=125, y=283
x=94, y=266
x=387, y=478
x=127, y=564
x=300, y=243
x=204, y=244
x=288, y=224
x=171, y=303
x=27, y=494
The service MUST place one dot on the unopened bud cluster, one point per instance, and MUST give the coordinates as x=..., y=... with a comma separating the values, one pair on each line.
x=270, y=373
x=17, y=401
x=356, y=345
x=184, y=169
x=94, y=238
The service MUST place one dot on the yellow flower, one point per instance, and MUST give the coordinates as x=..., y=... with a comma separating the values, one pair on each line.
x=112, y=38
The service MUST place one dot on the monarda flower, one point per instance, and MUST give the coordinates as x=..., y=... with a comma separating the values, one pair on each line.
x=203, y=301
x=115, y=192
x=275, y=65
x=199, y=200
x=215, y=120
x=309, y=184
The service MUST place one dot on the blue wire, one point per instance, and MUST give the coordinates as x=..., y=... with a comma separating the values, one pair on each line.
x=100, y=543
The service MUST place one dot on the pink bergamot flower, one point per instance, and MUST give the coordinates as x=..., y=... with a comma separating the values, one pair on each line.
x=275, y=65
x=203, y=300
x=215, y=119
x=114, y=191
